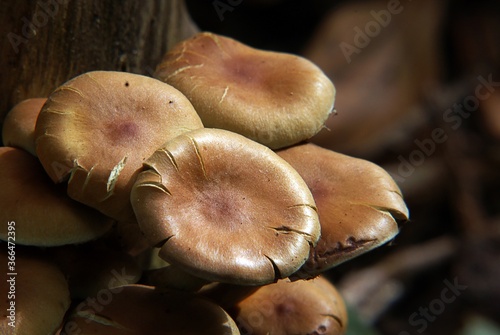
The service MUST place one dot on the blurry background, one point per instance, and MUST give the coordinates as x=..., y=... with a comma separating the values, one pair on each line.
x=418, y=92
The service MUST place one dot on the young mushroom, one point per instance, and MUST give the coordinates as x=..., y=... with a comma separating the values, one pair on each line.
x=43, y=214
x=139, y=309
x=359, y=204
x=225, y=208
x=273, y=98
x=97, y=129
x=312, y=307
x=19, y=125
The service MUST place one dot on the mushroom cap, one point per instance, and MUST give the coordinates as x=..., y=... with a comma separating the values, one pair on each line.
x=273, y=98
x=225, y=208
x=41, y=294
x=98, y=128
x=19, y=125
x=300, y=307
x=139, y=309
x=44, y=214
x=358, y=203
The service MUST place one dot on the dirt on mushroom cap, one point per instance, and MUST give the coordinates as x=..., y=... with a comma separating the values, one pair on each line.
x=97, y=129
x=225, y=208
x=276, y=99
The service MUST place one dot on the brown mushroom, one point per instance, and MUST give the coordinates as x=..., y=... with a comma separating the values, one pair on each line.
x=35, y=294
x=300, y=307
x=359, y=204
x=139, y=309
x=225, y=208
x=19, y=125
x=97, y=128
x=276, y=99
x=43, y=214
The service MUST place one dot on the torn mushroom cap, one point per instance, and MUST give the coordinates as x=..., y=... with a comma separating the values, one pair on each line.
x=138, y=309
x=39, y=293
x=359, y=204
x=273, y=98
x=300, y=307
x=225, y=208
x=44, y=215
x=98, y=128
x=19, y=125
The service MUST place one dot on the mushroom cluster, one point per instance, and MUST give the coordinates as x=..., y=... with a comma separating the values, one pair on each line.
x=191, y=202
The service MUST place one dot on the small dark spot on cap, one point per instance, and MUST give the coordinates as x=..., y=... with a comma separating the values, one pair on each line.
x=127, y=84
x=170, y=101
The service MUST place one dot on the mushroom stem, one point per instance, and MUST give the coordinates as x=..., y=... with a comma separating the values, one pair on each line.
x=227, y=295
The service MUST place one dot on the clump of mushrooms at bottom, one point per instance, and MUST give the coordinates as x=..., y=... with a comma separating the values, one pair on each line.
x=191, y=199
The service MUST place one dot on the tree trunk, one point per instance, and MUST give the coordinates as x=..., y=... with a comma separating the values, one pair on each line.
x=47, y=42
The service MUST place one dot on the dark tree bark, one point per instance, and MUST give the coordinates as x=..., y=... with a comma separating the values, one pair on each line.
x=47, y=42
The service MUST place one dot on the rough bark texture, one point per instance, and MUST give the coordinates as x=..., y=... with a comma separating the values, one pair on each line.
x=47, y=42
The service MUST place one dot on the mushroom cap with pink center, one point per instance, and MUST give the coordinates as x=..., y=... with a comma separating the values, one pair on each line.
x=225, y=208
x=276, y=99
x=97, y=129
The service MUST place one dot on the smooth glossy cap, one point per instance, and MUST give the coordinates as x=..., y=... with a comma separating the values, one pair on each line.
x=273, y=98
x=225, y=208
